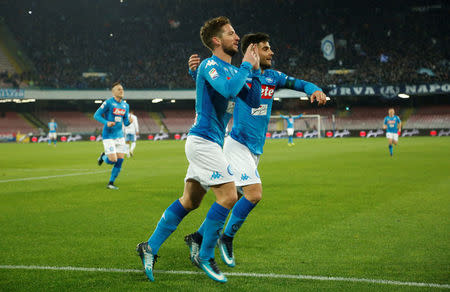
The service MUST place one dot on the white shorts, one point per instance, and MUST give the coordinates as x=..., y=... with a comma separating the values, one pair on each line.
x=207, y=163
x=393, y=136
x=244, y=163
x=290, y=131
x=52, y=136
x=115, y=146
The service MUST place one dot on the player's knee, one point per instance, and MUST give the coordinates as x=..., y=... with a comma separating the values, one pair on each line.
x=254, y=197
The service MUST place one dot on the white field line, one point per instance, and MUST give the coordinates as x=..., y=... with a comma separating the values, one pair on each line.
x=51, y=176
x=249, y=275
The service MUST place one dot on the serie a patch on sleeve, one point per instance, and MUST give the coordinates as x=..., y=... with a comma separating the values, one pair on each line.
x=213, y=73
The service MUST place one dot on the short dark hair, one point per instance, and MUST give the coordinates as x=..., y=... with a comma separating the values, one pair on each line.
x=212, y=28
x=253, y=38
x=115, y=84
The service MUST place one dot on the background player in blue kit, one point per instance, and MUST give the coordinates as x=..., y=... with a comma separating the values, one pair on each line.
x=112, y=114
x=52, y=126
x=392, y=124
x=244, y=146
x=290, y=120
x=219, y=86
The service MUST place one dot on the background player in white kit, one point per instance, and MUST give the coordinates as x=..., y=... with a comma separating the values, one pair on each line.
x=131, y=133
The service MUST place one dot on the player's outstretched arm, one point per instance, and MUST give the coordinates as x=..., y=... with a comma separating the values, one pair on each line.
x=319, y=96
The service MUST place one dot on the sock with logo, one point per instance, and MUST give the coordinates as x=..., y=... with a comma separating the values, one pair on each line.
x=116, y=170
x=215, y=219
x=166, y=225
x=238, y=215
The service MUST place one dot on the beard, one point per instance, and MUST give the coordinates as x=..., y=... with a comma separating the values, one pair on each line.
x=265, y=66
x=230, y=51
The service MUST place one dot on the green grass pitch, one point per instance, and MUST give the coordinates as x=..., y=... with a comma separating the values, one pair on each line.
x=331, y=207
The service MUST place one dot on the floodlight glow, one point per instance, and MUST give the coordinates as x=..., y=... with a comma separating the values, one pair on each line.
x=328, y=98
x=98, y=101
x=276, y=99
x=172, y=101
x=304, y=98
x=403, y=95
x=156, y=100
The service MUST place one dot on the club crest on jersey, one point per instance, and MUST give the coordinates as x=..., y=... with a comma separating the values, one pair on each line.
x=267, y=91
x=269, y=80
x=213, y=73
x=210, y=63
x=119, y=111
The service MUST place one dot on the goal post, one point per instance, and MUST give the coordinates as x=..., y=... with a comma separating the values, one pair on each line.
x=306, y=123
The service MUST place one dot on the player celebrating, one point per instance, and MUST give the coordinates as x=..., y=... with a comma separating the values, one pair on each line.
x=244, y=146
x=52, y=126
x=290, y=127
x=112, y=114
x=131, y=132
x=219, y=86
x=393, y=125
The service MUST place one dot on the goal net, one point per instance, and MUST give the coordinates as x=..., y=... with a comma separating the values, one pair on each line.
x=310, y=126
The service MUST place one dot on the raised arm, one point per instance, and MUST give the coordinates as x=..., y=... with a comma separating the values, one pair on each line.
x=315, y=92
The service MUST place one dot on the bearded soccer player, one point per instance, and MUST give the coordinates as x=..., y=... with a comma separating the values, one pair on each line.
x=392, y=124
x=219, y=86
x=112, y=114
x=244, y=146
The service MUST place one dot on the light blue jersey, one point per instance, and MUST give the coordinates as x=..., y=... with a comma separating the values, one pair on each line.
x=52, y=126
x=218, y=84
x=250, y=124
x=392, y=124
x=112, y=111
x=290, y=120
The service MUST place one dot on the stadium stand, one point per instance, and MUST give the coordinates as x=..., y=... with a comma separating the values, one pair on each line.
x=146, y=123
x=178, y=120
x=429, y=117
x=12, y=122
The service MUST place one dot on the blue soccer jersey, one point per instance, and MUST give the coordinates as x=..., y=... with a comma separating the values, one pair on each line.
x=392, y=124
x=52, y=126
x=112, y=111
x=290, y=120
x=218, y=84
x=250, y=123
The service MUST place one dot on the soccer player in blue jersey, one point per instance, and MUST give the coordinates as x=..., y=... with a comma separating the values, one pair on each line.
x=392, y=124
x=244, y=146
x=112, y=114
x=290, y=127
x=219, y=86
x=52, y=126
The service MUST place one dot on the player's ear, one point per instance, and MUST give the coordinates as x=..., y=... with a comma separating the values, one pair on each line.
x=216, y=41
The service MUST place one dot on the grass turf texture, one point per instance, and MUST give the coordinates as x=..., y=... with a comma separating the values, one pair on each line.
x=331, y=207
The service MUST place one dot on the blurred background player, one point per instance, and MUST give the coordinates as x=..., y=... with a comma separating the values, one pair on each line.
x=112, y=114
x=244, y=146
x=52, y=126
x=393, y=125
x=219, y=84
x=290, y=127
x=131, y=132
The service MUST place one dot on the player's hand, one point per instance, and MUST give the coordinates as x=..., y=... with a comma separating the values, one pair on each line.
x=251, y=56
x=110, y=124
x=130, y=119
x=319, y=96
x=194, y=61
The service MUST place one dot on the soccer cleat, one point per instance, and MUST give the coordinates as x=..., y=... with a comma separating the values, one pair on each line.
x=225, y=245
x=100, y=159
x=194, y=241
x=111, y=187
x=212, y=270
x=148, y=259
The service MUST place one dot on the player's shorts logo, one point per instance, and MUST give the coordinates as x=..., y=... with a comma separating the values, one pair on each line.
x=216, y=175
x=119, y=111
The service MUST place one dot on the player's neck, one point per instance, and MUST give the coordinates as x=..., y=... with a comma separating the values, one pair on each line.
x=118, y=99
x=219, y=53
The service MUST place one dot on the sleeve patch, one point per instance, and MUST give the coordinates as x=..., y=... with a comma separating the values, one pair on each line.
x=213, y=73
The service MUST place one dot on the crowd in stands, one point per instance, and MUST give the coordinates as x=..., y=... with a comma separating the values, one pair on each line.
x=146, y=44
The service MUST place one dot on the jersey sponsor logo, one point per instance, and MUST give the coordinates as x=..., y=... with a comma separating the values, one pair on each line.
x=261, y=111
x=210, y=63
x=230, y=107
x=267, y=91
x=119, y=111
x=213, y=73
